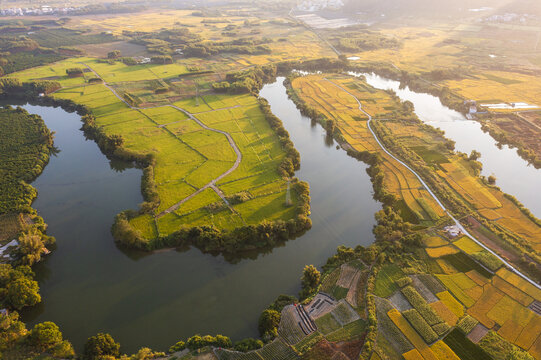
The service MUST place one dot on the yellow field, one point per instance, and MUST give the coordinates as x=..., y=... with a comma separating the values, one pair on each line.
x=469, y=187
x=420, y=47
x=478, y=278
x=499, y=85
x=330, y=97
x=446, y=267
x=467, y=245
x=451, y=303
x=491, y=296
x=443, y=352
x=459, y=284
x=411, y=335
x=441, y=251
x=445, y=313
x=435, y=241
x=512, y=291
x=412, y=355
x=530, y=333
x=490, y=202
x=519, y=283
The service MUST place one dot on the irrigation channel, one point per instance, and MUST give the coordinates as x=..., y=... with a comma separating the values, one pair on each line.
x=88, y=285
x=514, y=175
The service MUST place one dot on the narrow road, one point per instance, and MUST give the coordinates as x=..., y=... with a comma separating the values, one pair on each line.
x=212, y=183
x=457, y=223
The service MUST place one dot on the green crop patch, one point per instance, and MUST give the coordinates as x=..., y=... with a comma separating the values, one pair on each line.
x=385, y=280
x=350, y=331
x=465, y=263
x=464, y=348
x=327, y=324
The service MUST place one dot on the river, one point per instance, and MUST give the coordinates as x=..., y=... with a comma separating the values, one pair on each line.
x=88, y=285
x=513, y=174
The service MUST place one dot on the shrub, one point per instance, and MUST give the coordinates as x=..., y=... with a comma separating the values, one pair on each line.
x=99, y=346
x=248, y=344
x=179, y=346
x=268, y=324
x=74, y=72
x=45, y=335
x=403, y=281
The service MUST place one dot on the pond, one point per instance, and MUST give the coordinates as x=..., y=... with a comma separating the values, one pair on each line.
x=88, y=285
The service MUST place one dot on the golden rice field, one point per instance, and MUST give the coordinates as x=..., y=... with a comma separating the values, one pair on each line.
x=339, y=105
x=467, y=245
x=420, y=47
x=444, y=312
x=443, y=351
x=435, y=241
x=499, y=86
x=437, y=252
x=500, y=303
x=412, y=335
x=451, y=303
x=500, y=209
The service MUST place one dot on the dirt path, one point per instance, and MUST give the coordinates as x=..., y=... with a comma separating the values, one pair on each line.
x=212, y=183
x=458, y=224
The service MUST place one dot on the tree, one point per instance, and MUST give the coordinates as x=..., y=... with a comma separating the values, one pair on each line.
x=23, y=292
x=115, y=54
x=30, y=248
x=492, y=179
x=45, y=335
x=195, y=342
x=100, y=345
x=310, y=277
x=474, y=155
x=179, y=346
x=329, y=126
x=248, y=344
x=268, y=324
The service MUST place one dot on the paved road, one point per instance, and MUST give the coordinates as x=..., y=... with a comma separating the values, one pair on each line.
x=457, y=223
x=212, y=183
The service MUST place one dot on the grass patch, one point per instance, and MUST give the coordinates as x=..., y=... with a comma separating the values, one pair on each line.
x=327, y=324
x=386, y=280
x=353, y=330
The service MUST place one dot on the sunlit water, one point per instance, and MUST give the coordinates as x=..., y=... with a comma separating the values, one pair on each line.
x=514, y=175
x=88, y=285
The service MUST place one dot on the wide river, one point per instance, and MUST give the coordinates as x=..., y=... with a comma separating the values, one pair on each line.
x=88, y=285
x=513, y=174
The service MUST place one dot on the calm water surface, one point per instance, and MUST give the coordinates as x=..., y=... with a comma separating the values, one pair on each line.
x=88, y=285
x=514, y=175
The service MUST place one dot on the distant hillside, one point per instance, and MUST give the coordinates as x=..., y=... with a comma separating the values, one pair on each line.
x=425, y=8
x=522, y=7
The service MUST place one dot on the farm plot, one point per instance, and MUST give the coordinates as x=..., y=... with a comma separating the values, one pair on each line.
x=344, y=314
x=463, y=347
x=336, y=104
x=387, y=327
x=321, y=304
x=386, y=280
x=188, y=157
x=290, y=329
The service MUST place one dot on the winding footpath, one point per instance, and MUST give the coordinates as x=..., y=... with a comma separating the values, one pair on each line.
x=457, y=223
x=212, y=184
